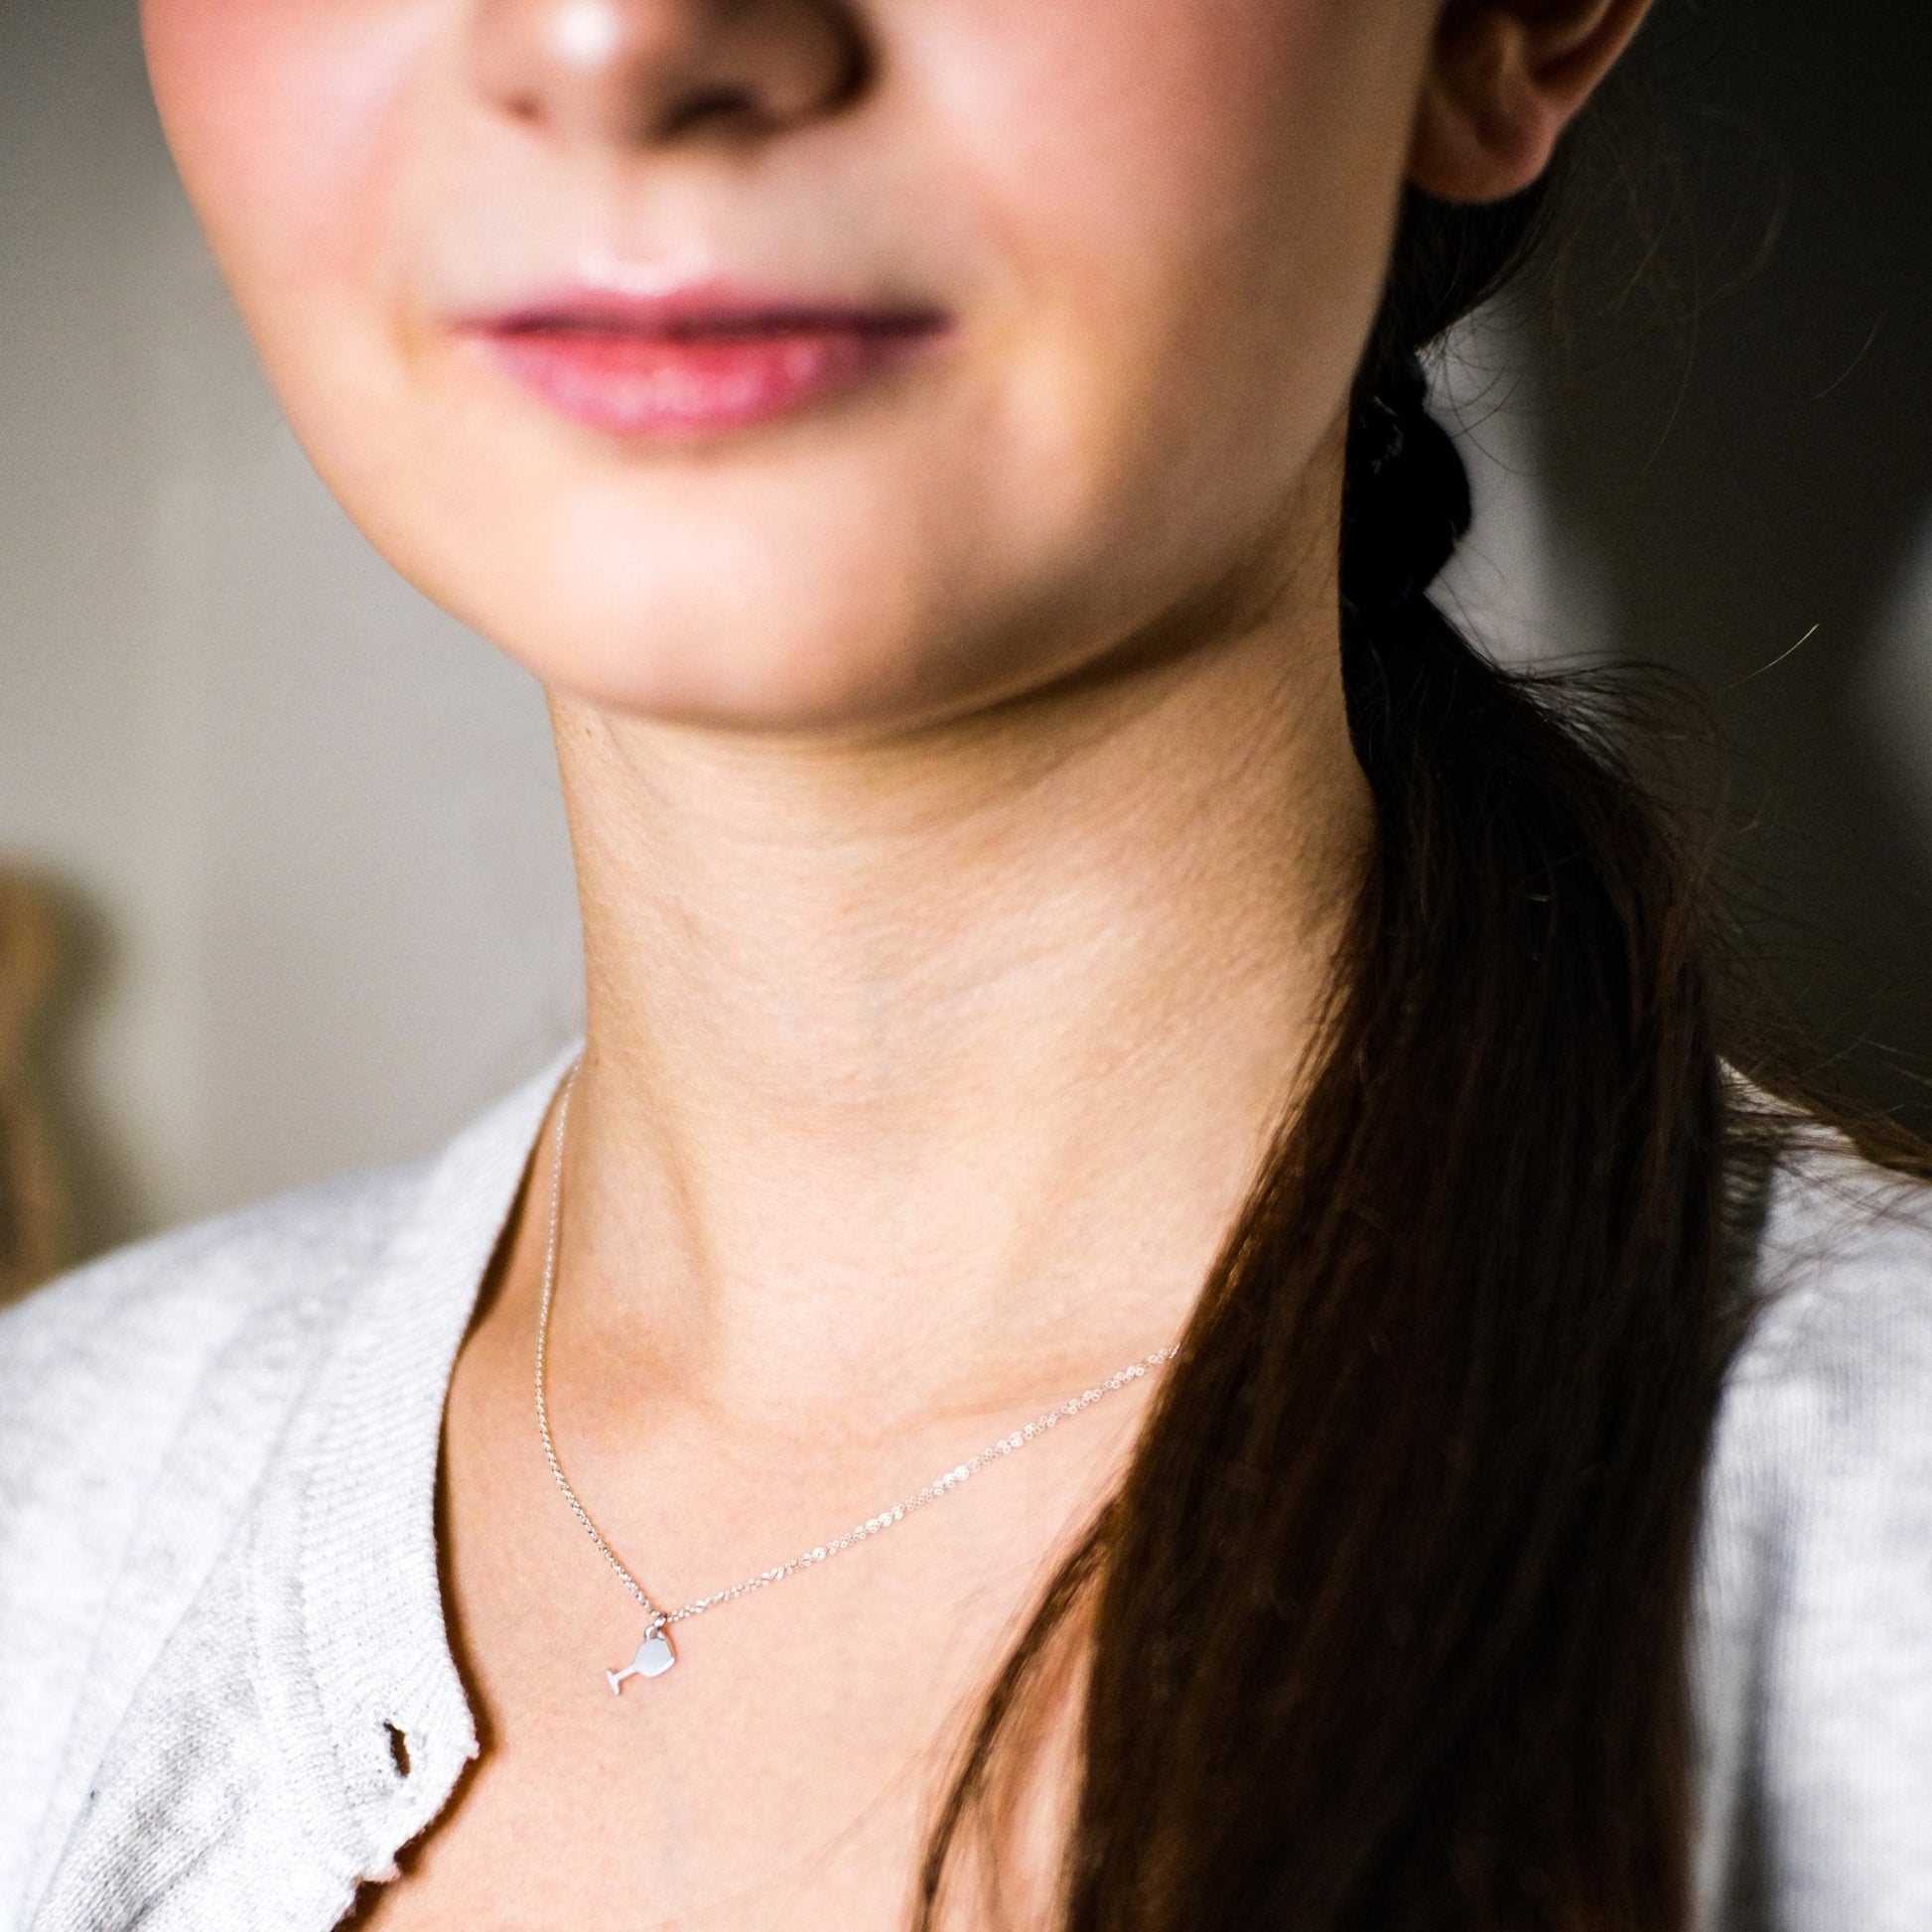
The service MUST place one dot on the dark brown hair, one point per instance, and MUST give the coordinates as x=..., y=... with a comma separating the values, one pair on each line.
x=1386, y=1627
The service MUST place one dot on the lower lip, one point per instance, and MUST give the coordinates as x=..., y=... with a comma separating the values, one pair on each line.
x=683, y=384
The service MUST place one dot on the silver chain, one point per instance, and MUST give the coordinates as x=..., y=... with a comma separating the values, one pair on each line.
x=939, y=1487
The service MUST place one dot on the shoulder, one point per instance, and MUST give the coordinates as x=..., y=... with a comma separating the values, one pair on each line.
x=168, y=1418
x=99, y=1370
x=107, y=1375
x=1816, y=1606
x=102, y=1362
x=1824, y=1441
x=140, y=1402
x=1829, y=1398
x=109, y=1360
x=1845, y=1271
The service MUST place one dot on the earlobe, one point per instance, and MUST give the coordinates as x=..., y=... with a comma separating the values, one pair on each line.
x=1505, y=77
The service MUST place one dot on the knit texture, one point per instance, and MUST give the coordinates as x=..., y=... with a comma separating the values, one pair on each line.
x=219, y=1596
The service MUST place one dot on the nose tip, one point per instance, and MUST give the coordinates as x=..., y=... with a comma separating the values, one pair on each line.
x=638, y=71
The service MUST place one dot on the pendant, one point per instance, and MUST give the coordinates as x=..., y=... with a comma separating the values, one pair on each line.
x=654, y=1657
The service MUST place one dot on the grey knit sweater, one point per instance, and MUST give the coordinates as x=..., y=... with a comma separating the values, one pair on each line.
x=219, y=1584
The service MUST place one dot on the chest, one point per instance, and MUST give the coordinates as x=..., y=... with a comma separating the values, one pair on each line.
x=783, y=1772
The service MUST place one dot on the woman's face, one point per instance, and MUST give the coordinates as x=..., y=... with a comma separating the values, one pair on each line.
x=805, y=363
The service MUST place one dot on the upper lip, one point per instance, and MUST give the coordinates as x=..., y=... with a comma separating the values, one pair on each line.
x=700, y=310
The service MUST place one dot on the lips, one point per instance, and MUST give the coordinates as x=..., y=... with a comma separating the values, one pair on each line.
x=697, y=362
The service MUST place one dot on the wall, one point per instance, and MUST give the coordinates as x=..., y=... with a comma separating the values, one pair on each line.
x=1739, y=420
x=304, y=827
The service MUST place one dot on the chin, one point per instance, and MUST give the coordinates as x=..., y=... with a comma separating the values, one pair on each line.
x=752, y=650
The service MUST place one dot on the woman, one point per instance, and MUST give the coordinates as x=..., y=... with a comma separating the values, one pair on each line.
x=1064, y=915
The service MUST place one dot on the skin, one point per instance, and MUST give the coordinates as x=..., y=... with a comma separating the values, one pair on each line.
x=974, y=736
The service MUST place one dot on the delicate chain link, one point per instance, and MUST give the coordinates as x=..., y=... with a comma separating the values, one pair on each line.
x=581, y=1514
x=934, y=1491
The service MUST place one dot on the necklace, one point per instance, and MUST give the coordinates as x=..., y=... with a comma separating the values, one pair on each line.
x=656, y=1655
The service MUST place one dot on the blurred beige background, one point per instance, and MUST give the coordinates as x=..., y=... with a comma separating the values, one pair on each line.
x=302, y=826
x=302, y=829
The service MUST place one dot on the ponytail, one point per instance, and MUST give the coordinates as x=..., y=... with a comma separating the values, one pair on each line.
x=1386, y=1627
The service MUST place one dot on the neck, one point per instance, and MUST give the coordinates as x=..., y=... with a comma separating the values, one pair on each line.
x=932, y=1069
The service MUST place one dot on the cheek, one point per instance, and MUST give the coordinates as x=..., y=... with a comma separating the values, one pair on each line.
x=1197, y=201
x=1198, y=197
x=1129, y=144
x=285, y=118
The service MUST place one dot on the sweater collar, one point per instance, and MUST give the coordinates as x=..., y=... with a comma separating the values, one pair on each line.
x=385, y=1689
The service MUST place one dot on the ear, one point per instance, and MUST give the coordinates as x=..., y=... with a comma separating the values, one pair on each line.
x=1505, y=78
